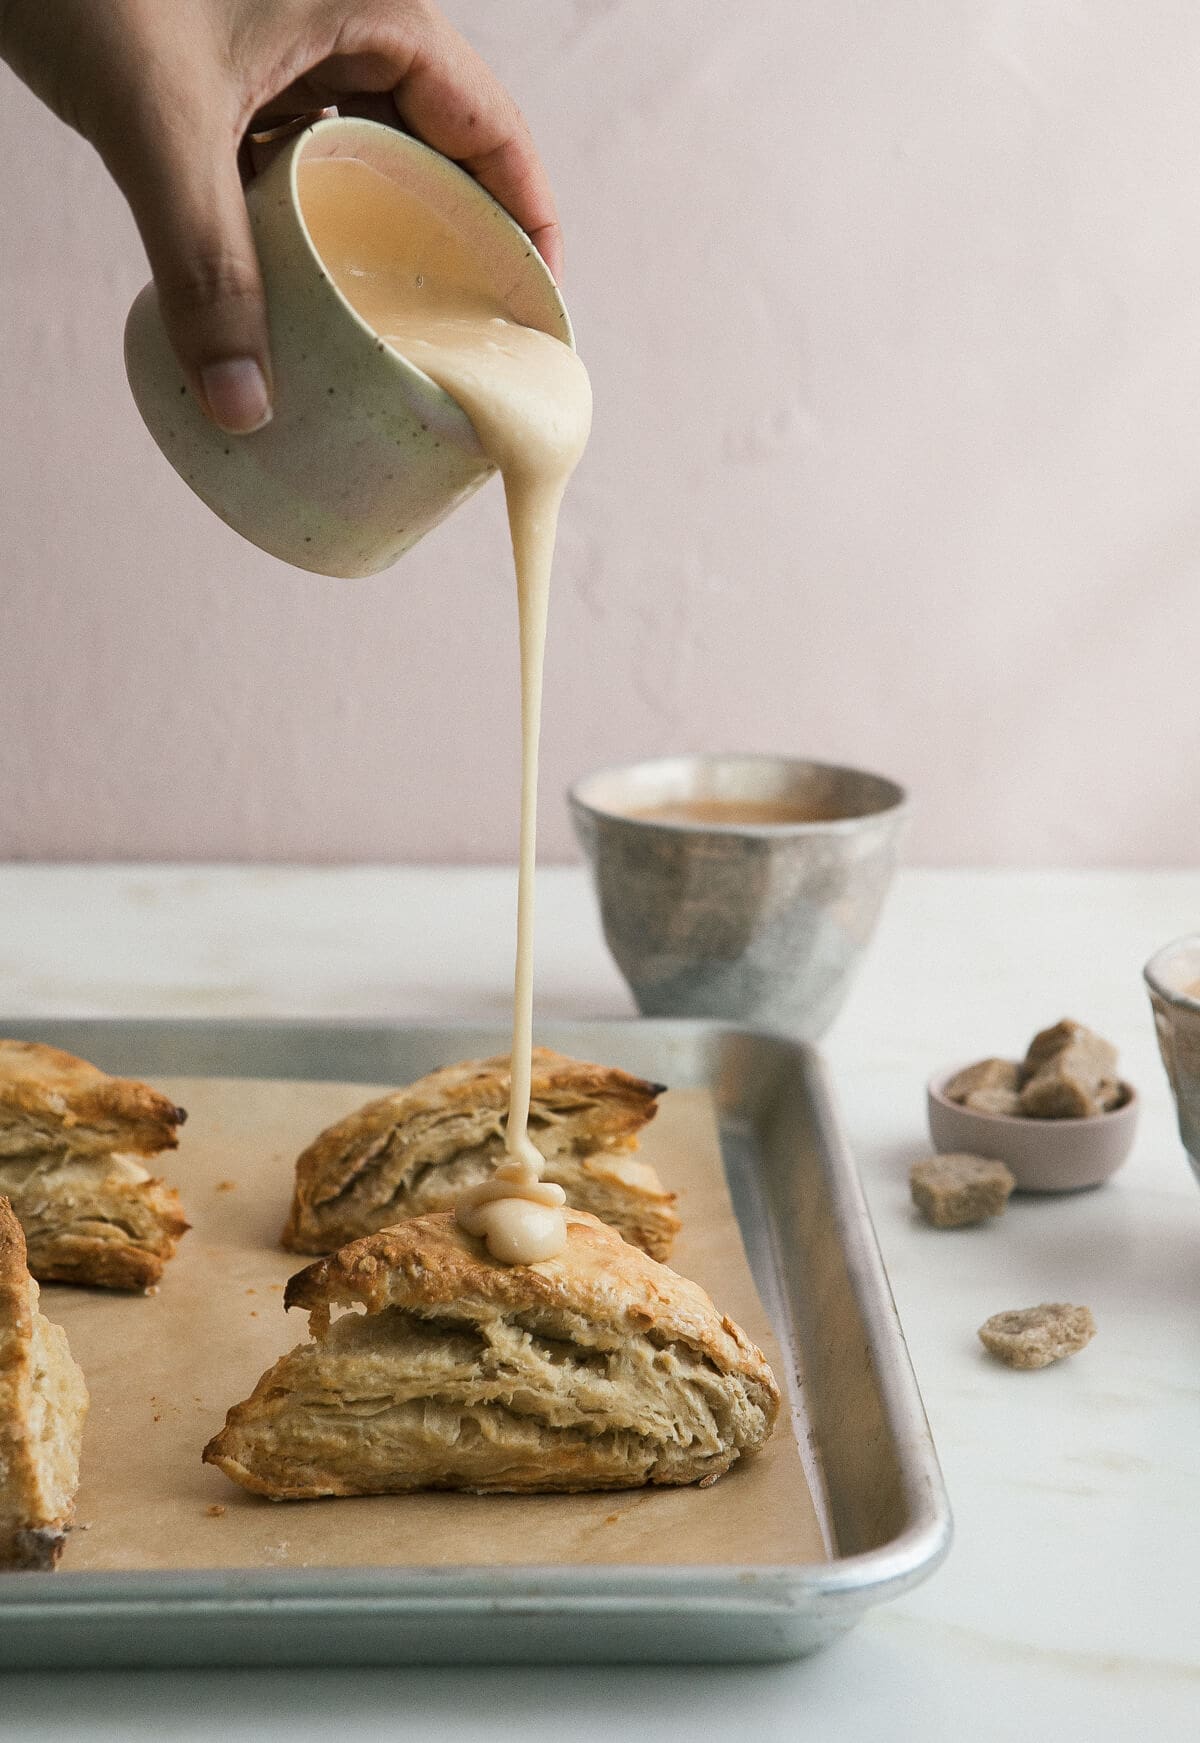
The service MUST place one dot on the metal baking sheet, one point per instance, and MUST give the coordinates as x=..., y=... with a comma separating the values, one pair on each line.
x=813, y=1253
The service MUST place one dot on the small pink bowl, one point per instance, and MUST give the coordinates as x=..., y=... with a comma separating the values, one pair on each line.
x=1044, y=1155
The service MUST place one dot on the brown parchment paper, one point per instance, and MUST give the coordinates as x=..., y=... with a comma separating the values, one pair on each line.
x=163, y=1370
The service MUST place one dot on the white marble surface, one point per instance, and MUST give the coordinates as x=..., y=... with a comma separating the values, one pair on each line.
x=1070, y=1605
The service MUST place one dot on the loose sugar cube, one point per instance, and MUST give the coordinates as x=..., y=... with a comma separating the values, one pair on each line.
x=985, y=1075
x=994, y=1101
x=1068, y=1073
x=951, y=1191
x=1033, y=1337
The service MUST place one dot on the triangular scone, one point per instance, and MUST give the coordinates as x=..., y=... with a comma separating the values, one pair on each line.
x=599, y=1369
x=413, y=1152
x=71, y=1143
x=43, y=1402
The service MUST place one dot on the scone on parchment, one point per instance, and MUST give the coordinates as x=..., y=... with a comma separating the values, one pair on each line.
x=599, y=1369
x=43, y=1402
x=72, y=1141
x=414, y=1151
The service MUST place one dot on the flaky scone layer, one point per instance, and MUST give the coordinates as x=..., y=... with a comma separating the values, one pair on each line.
x=71, y=1143
x=51, y=1101
x=103, y=1221
x=599, y=1369
x=413, y=1152
x=43, y=1402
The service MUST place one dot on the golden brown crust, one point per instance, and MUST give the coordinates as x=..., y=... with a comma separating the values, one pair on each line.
x=597, y=1369
x=52, y=1102
x=43, y=1402
x=429, y=1263
x=411, y=1153
x=15, y=1309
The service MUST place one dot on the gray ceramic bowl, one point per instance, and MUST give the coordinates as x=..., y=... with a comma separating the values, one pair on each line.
x=755, y=922
x=1169, y=976
x=1044, y=1155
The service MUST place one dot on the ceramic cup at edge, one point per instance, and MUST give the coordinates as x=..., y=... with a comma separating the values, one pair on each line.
x=1168, y=975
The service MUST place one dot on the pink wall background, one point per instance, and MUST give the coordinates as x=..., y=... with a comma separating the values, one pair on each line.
x=893, y=315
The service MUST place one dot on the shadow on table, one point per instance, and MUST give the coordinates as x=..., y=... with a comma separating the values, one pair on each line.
x=615, y=1703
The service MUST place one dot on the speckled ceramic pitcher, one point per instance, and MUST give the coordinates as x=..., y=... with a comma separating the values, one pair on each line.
x=364, y=452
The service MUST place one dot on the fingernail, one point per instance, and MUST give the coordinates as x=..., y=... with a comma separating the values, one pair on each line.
x=236, y=392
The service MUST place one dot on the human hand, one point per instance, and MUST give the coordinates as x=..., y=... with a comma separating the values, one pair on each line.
x=166, y=94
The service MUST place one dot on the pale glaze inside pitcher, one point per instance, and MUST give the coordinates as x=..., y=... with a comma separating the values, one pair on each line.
x=364, y=453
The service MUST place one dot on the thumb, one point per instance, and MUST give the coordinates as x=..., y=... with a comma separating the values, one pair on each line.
x=183, y=187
